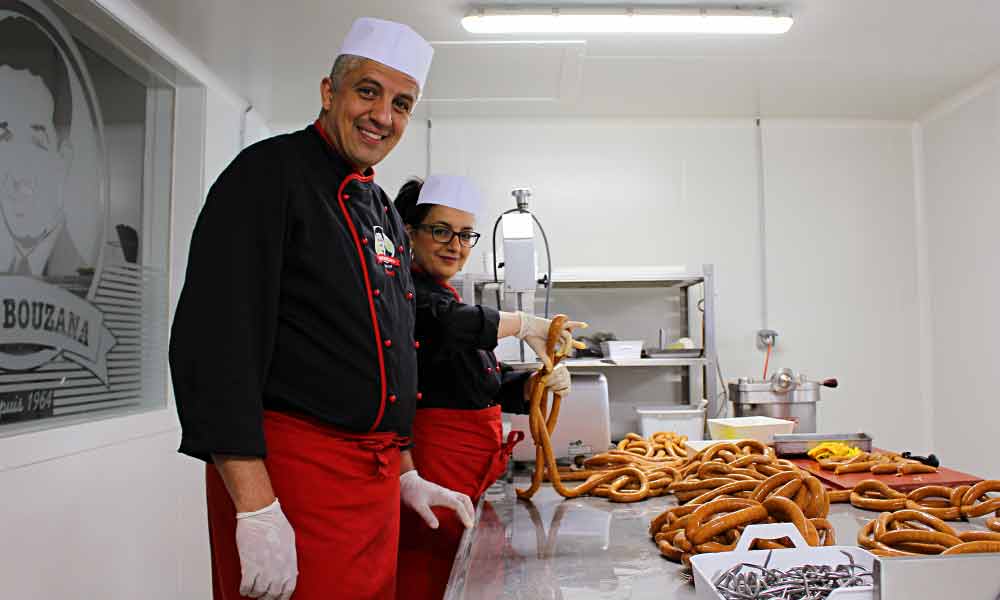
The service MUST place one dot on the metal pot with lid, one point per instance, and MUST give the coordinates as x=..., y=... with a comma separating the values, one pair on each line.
x=785, y=395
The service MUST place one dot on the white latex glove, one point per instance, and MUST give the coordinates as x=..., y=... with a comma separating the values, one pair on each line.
x=266, y=544
x=420, y=495
x=558, y=381
x=535, y=332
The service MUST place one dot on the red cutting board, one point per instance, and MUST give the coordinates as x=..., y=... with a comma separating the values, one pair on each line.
x=902, y=483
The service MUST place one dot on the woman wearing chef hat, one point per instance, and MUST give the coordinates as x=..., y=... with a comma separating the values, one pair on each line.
x=457, y=431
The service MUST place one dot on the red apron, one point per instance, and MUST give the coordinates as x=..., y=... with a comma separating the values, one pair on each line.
x=462, y=450
x=340, y=492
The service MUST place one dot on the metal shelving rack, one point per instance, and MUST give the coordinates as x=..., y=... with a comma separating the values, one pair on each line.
x=473, y=287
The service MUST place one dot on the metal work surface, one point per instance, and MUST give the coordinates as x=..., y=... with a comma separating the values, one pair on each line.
x=587, y=548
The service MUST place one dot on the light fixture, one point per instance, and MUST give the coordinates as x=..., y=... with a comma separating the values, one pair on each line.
x=633, y=20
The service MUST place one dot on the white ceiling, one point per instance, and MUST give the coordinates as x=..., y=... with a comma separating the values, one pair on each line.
x=883, y=59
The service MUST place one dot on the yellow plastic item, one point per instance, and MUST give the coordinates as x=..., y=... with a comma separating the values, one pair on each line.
x=826, y=450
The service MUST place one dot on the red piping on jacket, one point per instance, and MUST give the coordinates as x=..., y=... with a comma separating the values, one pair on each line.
x=415, y=268
x=326, y=138
x=368, y=289
x=364, y=272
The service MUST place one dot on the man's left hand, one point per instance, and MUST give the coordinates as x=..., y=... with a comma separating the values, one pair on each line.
x=420, y=495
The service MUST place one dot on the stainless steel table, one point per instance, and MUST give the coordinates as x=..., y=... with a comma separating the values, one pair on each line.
x=587, y=548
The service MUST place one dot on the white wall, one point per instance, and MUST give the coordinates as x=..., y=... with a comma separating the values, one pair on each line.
x=842, y=271
x=621, y=192
x=108, y=522
x=841, y=236
x=961, y=150
x=222, y=134
x=408, y=159
x=255, y=128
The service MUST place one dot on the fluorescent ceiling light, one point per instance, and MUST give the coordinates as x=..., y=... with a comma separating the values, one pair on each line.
x=584, y=20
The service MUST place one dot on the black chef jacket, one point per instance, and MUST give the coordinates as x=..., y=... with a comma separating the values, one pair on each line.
x=457, y=367
x=298, y=297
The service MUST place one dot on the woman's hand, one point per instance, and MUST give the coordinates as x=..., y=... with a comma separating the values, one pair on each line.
x=558, y=381
x=535, y=331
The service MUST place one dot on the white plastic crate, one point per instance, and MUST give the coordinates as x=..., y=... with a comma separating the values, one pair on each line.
x=707, y=567
x=622, y=349
x=682, y=419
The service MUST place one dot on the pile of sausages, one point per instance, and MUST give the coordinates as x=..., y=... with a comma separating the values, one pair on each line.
x=735, y=467
x=716, y=526
x=949, y=504
x=731, y=485
x=638, y=469
x=633, y=472
x=878, y=463
x=663, y=444
x=913, y=524
x=910, y=532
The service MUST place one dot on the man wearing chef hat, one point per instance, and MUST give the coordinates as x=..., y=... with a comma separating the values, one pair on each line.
x=292, y=350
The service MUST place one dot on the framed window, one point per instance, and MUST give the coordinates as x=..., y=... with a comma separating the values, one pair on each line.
x=86, y=162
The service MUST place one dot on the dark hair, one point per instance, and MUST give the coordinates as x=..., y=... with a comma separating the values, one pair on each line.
x=24, y=46
x=406, y=202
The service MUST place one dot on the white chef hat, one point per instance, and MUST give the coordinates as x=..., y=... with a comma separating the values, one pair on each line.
x=392, y=44
x=453, y=191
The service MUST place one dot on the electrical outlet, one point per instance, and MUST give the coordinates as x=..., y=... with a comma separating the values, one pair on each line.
x=767, y=337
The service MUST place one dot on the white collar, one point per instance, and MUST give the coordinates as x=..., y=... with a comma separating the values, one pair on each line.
x=40, y=254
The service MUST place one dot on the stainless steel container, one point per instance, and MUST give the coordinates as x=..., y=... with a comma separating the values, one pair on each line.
x=792, y=444
x=784, y=396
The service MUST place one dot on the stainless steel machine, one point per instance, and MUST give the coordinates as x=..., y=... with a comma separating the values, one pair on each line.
x=520, y=273
x=584, y=421
x=786, y=395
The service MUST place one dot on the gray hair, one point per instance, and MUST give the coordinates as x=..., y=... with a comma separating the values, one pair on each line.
x=344, y=64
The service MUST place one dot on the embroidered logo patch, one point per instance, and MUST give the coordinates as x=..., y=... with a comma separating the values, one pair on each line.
x=385, y=250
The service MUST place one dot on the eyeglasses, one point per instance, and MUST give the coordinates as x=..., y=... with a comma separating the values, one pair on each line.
x=444, y=235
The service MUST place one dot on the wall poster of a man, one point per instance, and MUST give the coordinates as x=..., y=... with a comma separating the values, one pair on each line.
x=51, y=161
x=66, y=294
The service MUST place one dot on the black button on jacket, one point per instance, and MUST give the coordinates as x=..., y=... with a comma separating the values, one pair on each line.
x=298, y=297
x=458, y=369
